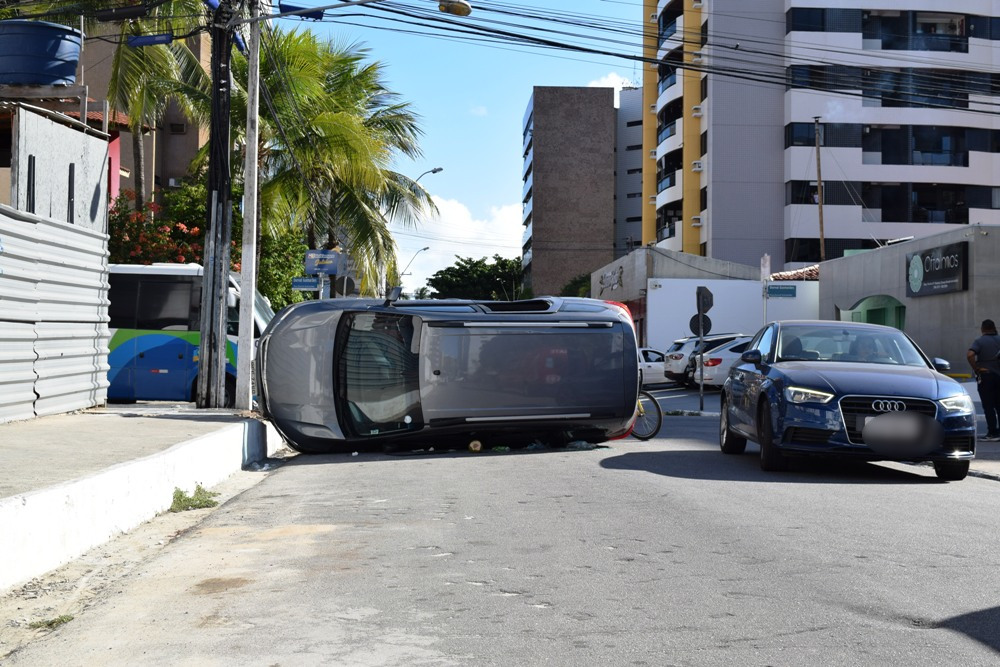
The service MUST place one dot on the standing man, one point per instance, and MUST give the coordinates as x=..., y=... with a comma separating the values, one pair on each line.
x=982, y=357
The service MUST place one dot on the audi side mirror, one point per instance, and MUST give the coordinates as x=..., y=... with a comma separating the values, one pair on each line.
x=751, y=357
x=941, y=365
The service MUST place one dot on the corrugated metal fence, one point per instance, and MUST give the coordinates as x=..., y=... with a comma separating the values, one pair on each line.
x=53, y=316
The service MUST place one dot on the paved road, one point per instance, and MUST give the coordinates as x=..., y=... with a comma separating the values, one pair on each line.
x=654, y=553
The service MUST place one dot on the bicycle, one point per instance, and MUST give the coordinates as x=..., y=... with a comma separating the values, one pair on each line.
x=648, y=416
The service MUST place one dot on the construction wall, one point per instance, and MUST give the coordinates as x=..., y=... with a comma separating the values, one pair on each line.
x=53, y=316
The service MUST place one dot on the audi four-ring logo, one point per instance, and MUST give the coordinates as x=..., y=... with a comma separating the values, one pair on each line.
x=888, y=406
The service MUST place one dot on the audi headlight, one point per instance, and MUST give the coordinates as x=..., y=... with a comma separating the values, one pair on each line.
x=959, y=403
x=803, y=395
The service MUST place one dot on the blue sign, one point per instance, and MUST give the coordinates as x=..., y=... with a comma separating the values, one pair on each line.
x=781, y=291
x=322, y=261
x=305, y=284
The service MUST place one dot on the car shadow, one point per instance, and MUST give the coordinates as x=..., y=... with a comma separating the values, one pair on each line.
x=978, y=625
x=715, y=466
x=375, y=455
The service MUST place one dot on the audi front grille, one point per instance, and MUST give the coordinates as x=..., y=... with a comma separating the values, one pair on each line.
x=854, y=409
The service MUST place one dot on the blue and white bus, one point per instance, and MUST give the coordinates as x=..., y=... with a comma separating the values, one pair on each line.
x=155, y=317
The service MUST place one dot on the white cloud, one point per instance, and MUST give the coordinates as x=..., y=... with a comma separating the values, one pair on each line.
x=455, y=232
x=479, y=111
x=612, y=80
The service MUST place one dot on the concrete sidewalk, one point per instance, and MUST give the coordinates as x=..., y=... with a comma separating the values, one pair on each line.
x=71, y=482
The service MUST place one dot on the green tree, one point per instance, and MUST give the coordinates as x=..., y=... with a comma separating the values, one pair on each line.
x=579, y=286
x=478, y=279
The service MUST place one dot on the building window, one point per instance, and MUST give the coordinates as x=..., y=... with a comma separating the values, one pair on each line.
x=805, y=19
x=634, y=147
x=637, y=170
x=637, y=218
x=633, y=195
x=704, y=33
x=704, y=88
x=634, y=123
x=704, y=199
x=704, y=142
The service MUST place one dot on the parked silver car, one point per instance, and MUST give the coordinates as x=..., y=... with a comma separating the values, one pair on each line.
x=339, y=374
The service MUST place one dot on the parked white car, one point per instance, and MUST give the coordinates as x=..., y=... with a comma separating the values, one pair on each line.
x=718, y=361
x=676, y=365
x=651, y=365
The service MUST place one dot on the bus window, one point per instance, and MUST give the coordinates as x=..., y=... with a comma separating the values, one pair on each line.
x=123, y=294
x=164, y=304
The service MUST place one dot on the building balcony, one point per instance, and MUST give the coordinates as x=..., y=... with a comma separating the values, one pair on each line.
x=526, y=237
x=666, y=82
x=529, y=180
x=526, y=258
x=526, y=212
x=666, y=132
x=668, y=181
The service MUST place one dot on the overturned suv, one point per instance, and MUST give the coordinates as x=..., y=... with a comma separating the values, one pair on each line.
x=342, y=374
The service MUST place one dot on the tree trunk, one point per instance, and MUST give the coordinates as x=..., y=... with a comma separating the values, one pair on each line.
x=139, y=168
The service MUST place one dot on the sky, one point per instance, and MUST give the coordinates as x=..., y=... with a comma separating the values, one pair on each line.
x=471, y=98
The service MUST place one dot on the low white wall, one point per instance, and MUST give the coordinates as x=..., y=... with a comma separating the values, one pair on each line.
x=738, y=306
x=49, y=527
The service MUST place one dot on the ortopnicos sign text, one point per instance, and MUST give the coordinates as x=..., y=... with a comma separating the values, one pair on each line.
x=938, y=270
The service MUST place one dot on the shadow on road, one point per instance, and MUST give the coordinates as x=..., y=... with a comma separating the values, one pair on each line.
x=978, y=625
x=715, y=466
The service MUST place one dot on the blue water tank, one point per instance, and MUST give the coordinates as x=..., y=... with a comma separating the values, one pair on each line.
x=38, y=53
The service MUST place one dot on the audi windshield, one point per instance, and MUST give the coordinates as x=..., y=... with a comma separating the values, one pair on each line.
x=848, y=344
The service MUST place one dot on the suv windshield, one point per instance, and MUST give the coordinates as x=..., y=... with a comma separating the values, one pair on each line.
x=377, y=373
x=847, y=343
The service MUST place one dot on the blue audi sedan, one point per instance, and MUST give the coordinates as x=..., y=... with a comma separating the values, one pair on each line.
x=845, y=389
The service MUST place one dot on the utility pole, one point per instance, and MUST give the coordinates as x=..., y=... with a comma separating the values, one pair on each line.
x=215, y=277
x=248, y=261
x=819, y=192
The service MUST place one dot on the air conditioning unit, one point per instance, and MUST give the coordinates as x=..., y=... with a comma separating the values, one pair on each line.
x=652, y=153
x=696, y=221
x=173, y=182
x=697, y=165
x=696, y=4
x=652, y=18
x=652, y=108
x=697, y=56
x=697, y=111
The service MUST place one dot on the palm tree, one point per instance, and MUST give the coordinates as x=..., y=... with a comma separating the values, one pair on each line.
x=330, y=129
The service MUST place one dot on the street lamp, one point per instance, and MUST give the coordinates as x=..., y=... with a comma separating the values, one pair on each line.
x=435, y=170
x=403, y=272
x=248, y=268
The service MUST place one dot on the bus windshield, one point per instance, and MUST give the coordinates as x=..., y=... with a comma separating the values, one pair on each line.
x=377, y=374
x=262, y=310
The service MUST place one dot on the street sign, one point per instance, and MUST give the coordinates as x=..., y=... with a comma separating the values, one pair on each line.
x=310, y=284
x=705, y=299
x=781, y=291
x=706, y=324
x=322, y=261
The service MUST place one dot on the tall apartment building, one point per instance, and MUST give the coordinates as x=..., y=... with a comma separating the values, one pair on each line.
x=628, y=171
x=569, y=185
x=905, y=101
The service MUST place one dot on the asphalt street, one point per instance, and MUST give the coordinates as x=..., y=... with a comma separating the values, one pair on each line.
x=657, y=553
